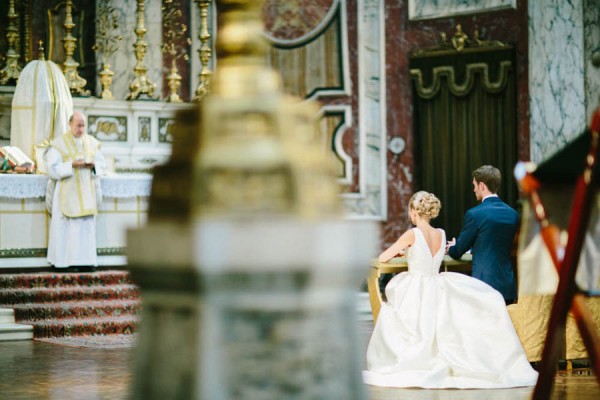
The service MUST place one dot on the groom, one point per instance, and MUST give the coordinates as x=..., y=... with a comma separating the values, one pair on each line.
x=488, y=230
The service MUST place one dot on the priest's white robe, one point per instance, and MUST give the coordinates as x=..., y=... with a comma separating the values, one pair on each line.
x=72, y=240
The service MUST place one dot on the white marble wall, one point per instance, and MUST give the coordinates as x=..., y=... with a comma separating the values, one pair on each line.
x=591, y=31
x=556, y=75
x=370, y=202
x=123, y=60
x=563, y=85
x=426, y=9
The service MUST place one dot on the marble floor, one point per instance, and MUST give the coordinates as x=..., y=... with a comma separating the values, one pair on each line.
x=31, y=370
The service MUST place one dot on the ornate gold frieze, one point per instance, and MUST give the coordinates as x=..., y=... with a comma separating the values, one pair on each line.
x=42, y=252
x=461, y=42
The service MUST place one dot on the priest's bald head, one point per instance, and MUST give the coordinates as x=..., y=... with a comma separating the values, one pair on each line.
x=77, y=124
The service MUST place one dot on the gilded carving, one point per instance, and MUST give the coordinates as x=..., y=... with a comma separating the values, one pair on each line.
x=205, y=51
x=165, y=130
x=12, y=69
x=141, y=84
x=460, y=42
x=76, y=83
x=107, y=42
x=176, y=34
x=144, y=128
x=108, y=128
x=471, y=71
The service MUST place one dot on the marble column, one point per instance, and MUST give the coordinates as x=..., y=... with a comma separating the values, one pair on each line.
x=564, y=86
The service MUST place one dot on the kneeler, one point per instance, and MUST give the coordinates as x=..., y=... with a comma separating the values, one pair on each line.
x=566, y=165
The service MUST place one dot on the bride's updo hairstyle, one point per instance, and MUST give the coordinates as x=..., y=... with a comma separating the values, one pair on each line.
x=425, y=204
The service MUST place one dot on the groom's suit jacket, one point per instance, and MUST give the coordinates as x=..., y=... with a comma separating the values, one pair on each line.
x=488, y=230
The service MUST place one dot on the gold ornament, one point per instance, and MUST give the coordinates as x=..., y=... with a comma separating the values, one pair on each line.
x=107, y=42
x=176, y=33
x=205, y=51
x=11, y=70
x=76, y=83
x=141, y=84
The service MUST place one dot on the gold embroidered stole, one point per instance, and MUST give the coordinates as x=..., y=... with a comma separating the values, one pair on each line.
x=77, y=192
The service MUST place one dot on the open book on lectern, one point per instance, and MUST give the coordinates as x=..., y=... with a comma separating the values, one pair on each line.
x=15, y=157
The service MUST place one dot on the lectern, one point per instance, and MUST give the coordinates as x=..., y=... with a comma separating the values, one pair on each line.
x=563, y=192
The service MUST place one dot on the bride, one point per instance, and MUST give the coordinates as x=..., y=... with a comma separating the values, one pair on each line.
x=441, y=330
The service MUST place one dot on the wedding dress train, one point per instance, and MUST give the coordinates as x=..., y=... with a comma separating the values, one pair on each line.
x=444, y=330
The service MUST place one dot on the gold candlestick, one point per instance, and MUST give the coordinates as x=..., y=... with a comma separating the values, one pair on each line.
x=174, y=80
x=205, y=51
x=106, y=80
x=11, y=70
x=141, y=84
x=41, y=56
x=107, y=42
x=176, y=34
x=27, y=31
x=76, y=83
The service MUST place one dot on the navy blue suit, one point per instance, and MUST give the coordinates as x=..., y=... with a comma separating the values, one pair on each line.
x=489, y=230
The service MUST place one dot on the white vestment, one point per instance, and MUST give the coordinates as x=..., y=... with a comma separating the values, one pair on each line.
x=72, y=240
x=41, y=107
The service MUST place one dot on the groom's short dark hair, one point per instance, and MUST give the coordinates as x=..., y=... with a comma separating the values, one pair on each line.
x=490, y=176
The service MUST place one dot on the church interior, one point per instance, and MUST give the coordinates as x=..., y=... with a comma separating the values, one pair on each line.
x=260, y=154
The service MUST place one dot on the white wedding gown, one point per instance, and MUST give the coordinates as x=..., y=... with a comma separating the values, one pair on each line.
x=444, y=330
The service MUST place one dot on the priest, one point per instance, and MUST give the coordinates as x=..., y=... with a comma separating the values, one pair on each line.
x=74, y=163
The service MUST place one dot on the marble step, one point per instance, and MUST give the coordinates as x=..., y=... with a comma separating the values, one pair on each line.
x=7, y=316
x=11, y=331
x=31, y=312
x=88, y=326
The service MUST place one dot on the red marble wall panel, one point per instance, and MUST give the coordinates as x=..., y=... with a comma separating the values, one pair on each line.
x=183, y=66
x=291, y=19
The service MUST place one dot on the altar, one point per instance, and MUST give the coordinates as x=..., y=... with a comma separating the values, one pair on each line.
x=25, y=223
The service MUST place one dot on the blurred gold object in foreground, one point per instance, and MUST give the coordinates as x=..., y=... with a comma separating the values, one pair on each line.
x=259, y=149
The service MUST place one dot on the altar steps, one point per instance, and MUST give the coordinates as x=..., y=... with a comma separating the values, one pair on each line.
x=124, y=325
x=71, y=303
x=76, y=309
x=65, y=294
